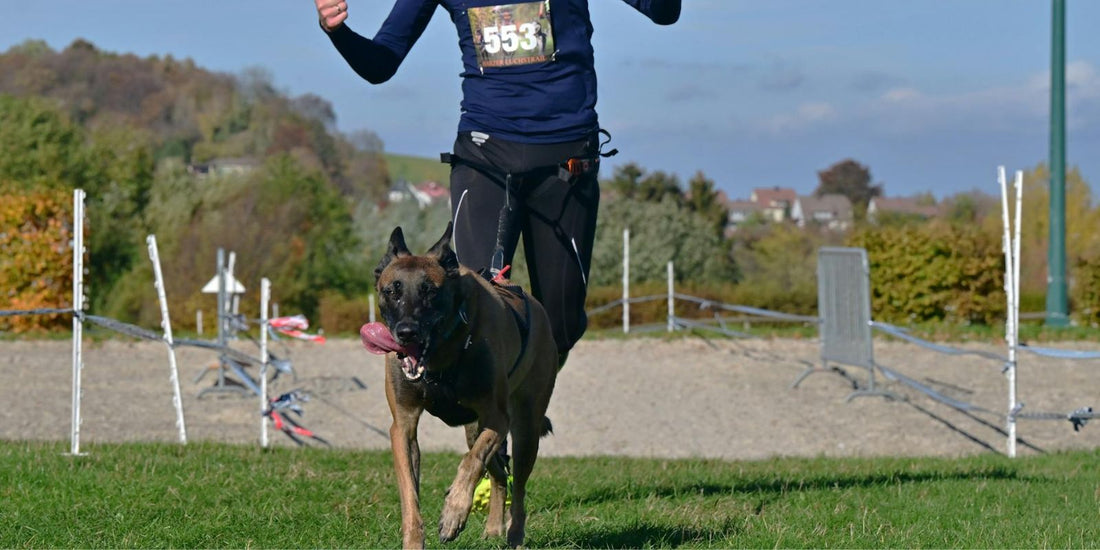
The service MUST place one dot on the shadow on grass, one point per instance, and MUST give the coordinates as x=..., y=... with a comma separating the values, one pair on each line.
x=642, y=535
x=775, y=486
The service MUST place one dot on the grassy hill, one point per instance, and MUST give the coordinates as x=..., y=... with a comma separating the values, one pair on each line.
x=417, y=169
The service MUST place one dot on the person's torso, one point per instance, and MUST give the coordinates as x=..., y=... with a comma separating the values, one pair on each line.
x=528, y=68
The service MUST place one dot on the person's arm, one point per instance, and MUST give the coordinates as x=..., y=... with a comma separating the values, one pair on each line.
x=661, y=12
x=376, y=60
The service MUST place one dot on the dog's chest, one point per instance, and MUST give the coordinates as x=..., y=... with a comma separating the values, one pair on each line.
x=443, y=394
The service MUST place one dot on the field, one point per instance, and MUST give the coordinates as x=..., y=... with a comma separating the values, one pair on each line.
x=222, y=496
x=658, y=443
x=417, y=169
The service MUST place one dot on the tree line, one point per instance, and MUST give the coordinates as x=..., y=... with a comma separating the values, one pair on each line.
x=143, y=137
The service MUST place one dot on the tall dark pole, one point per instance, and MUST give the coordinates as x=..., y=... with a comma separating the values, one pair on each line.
x=1057, y=302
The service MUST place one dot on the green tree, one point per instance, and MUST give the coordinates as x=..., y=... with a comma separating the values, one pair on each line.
x=703, y=199
x=659, y=232
x=851, y=179
x=39, y=146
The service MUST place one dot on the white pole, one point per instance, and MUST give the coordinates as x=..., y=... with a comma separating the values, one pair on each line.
x=265, y=299
x=370, y=304
x=626, y=280
x=198, y=321
x=671, y=302
x=1010, y=319
x=78, y=309
x=166, y=325
x=1013, y=355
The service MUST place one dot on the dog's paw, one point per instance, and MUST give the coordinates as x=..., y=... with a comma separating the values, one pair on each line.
x=453, y=520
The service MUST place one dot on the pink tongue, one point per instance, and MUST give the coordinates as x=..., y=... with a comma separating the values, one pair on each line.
x=377, y=339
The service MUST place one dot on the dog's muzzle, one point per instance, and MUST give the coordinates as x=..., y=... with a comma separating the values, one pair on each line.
x=378, y=339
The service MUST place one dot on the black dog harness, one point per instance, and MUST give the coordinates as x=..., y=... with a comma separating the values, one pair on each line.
x=440, y=387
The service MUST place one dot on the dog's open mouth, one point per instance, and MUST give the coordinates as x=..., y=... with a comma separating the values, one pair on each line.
x=377, y=339
x=411, y=363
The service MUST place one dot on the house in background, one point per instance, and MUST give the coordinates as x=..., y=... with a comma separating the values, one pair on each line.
x=223, y=167
x=738, y=212
x=774, y=202
x=425, y=194
x=831, y=211
x=903, y=206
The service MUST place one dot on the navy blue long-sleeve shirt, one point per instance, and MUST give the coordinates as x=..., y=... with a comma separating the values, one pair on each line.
x=528, y=67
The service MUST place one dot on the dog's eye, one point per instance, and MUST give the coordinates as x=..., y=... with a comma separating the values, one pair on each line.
x=427, y=289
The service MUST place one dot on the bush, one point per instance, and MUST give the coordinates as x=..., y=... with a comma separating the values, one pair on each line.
x=935, y=272
x=1086, y=292
x=341, y=314
x=36, y=261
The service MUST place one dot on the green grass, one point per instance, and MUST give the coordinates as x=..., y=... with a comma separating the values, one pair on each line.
x=418, y=169
x=215, y=496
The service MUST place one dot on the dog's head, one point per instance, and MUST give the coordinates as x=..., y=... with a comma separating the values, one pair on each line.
x=419, y=300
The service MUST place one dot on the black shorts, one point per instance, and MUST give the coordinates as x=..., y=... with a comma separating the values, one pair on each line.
x=556, y=218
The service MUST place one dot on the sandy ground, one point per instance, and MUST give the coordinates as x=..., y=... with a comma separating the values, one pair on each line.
x=646, y=397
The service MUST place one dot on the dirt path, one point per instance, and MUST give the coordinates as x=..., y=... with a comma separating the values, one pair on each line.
x=640, y=397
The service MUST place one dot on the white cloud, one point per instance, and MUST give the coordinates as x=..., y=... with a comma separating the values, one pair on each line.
x=1023, y=106
x=805, y=117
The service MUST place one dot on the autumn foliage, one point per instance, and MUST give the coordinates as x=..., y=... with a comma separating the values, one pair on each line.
x=36, y=261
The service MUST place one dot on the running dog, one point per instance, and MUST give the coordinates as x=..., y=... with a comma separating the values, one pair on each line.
x=471, y=352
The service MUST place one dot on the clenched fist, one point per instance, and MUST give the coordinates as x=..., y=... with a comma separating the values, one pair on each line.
x=332, y=13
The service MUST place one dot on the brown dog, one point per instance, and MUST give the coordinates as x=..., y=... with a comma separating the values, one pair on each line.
x=471, y=353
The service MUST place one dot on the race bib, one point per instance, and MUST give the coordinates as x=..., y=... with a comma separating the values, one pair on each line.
x=512, y=34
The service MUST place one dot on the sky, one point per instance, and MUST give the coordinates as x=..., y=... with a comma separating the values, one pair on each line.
x=930, y=95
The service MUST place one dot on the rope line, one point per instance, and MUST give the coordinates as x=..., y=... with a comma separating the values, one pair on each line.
x=935, y=395
x=124, y=328
x=1060, y=353
x=901, y=333
x=40, y=311
x=746, y=309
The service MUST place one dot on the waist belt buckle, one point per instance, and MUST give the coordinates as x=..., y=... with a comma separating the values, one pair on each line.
x=580, y=166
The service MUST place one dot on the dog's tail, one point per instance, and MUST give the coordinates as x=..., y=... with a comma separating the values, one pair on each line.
x=547, y=427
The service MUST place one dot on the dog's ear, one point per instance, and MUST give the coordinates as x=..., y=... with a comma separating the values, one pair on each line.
x=396, y=249
x=443, y=252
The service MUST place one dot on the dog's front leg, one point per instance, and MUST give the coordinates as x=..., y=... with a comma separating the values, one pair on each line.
x=406, y=464
x=456, y=509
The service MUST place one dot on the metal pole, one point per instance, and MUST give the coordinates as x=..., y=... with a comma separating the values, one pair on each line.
x=626, y=280
x=78, y=310
x=1057, y=300
x=671, y=302
x=221, y=315
x=265, y=299
x=166, y=324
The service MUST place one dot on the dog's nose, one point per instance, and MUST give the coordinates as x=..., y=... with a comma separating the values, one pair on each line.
x=405, y=331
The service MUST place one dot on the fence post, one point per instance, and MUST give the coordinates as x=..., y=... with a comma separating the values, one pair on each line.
x=78, y=310
x=166, y=326
x=265, y=299
x=370, y=304
x=1012, y=273
x=671, y=302
x=626, y=280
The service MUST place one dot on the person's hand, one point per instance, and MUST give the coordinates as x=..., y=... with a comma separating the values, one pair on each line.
x=332, y=13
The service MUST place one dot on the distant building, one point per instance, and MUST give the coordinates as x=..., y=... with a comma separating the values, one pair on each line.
x=425, y=194
x=775, y=203
x=906, y=206
x=831, y=211
x=223, y=167
x=739, y=212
